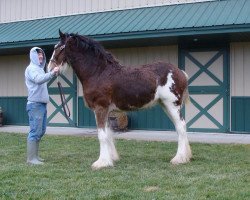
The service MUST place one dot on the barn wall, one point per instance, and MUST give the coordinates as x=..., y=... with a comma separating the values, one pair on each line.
x=19, y=10
x=240, y=69
x=240, y=87
x=13, y=92
x=12, y=75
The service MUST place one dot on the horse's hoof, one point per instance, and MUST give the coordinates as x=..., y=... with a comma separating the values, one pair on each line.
x=180, y=159
x=99, y=164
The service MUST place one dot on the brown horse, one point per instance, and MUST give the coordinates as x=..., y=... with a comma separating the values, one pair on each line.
x=108, y=85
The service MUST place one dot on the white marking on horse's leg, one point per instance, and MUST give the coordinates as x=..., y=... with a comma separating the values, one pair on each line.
x=168, y=98
x=112, y=150
x=105, y=159
x=184, y=153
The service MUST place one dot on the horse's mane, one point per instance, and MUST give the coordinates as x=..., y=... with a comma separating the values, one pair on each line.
x=95, y=47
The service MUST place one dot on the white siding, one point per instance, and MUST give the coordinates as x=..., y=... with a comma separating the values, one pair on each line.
x=12, y=76
x=143, y=55
x=19, y=10
x=240, y=69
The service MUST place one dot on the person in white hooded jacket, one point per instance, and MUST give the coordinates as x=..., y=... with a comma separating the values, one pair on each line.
x=36, y=81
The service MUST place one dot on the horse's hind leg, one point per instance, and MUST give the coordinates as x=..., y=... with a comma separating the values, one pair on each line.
x=107, y=148
x=184, y=153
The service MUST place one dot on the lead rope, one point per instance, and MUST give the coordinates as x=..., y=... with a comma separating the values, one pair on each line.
x=63, y=100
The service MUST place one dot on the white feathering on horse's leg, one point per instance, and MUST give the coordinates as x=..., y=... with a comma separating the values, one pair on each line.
x=105, y=159
x=168, y=98
x=184, y=153
x=113, y=152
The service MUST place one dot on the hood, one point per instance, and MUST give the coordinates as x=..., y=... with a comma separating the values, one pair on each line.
x=34, y=57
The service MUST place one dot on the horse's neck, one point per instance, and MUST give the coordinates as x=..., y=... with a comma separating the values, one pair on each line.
x=88, y=68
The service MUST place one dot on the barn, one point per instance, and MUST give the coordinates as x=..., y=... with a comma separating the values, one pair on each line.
x=209, y=39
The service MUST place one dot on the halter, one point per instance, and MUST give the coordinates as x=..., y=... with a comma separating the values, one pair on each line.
x=53, y=60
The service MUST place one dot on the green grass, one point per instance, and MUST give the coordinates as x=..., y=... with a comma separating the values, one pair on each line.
x=144, y=171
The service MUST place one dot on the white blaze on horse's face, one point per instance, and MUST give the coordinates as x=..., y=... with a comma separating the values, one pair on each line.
x=64, y=67
x=58, y=58
x=51, y=65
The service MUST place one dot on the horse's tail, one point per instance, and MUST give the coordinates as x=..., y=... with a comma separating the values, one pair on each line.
x=185, y=97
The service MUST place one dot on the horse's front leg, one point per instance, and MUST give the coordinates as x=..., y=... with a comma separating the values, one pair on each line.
x=107, y=148
x=112, y=149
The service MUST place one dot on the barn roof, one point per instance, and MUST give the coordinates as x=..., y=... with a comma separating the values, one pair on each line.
x=213, y=17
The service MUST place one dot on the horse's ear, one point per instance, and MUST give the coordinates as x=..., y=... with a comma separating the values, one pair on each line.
x=62, y=35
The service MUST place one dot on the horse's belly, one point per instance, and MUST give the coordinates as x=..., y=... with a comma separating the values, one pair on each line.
x=135, y=90
x=130, y=102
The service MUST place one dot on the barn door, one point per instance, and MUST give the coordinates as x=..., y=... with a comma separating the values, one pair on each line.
x=55, y=112
x=208, y=87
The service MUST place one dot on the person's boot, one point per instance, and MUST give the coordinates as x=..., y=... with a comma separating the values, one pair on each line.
x=37, y=153
x=32, y=147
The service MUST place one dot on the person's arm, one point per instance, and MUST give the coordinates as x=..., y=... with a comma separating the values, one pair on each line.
x=39, y=78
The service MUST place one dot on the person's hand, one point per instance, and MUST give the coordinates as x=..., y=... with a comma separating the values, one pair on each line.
x=56, y=70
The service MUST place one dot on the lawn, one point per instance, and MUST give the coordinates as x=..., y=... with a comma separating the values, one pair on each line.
x=144, y=171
